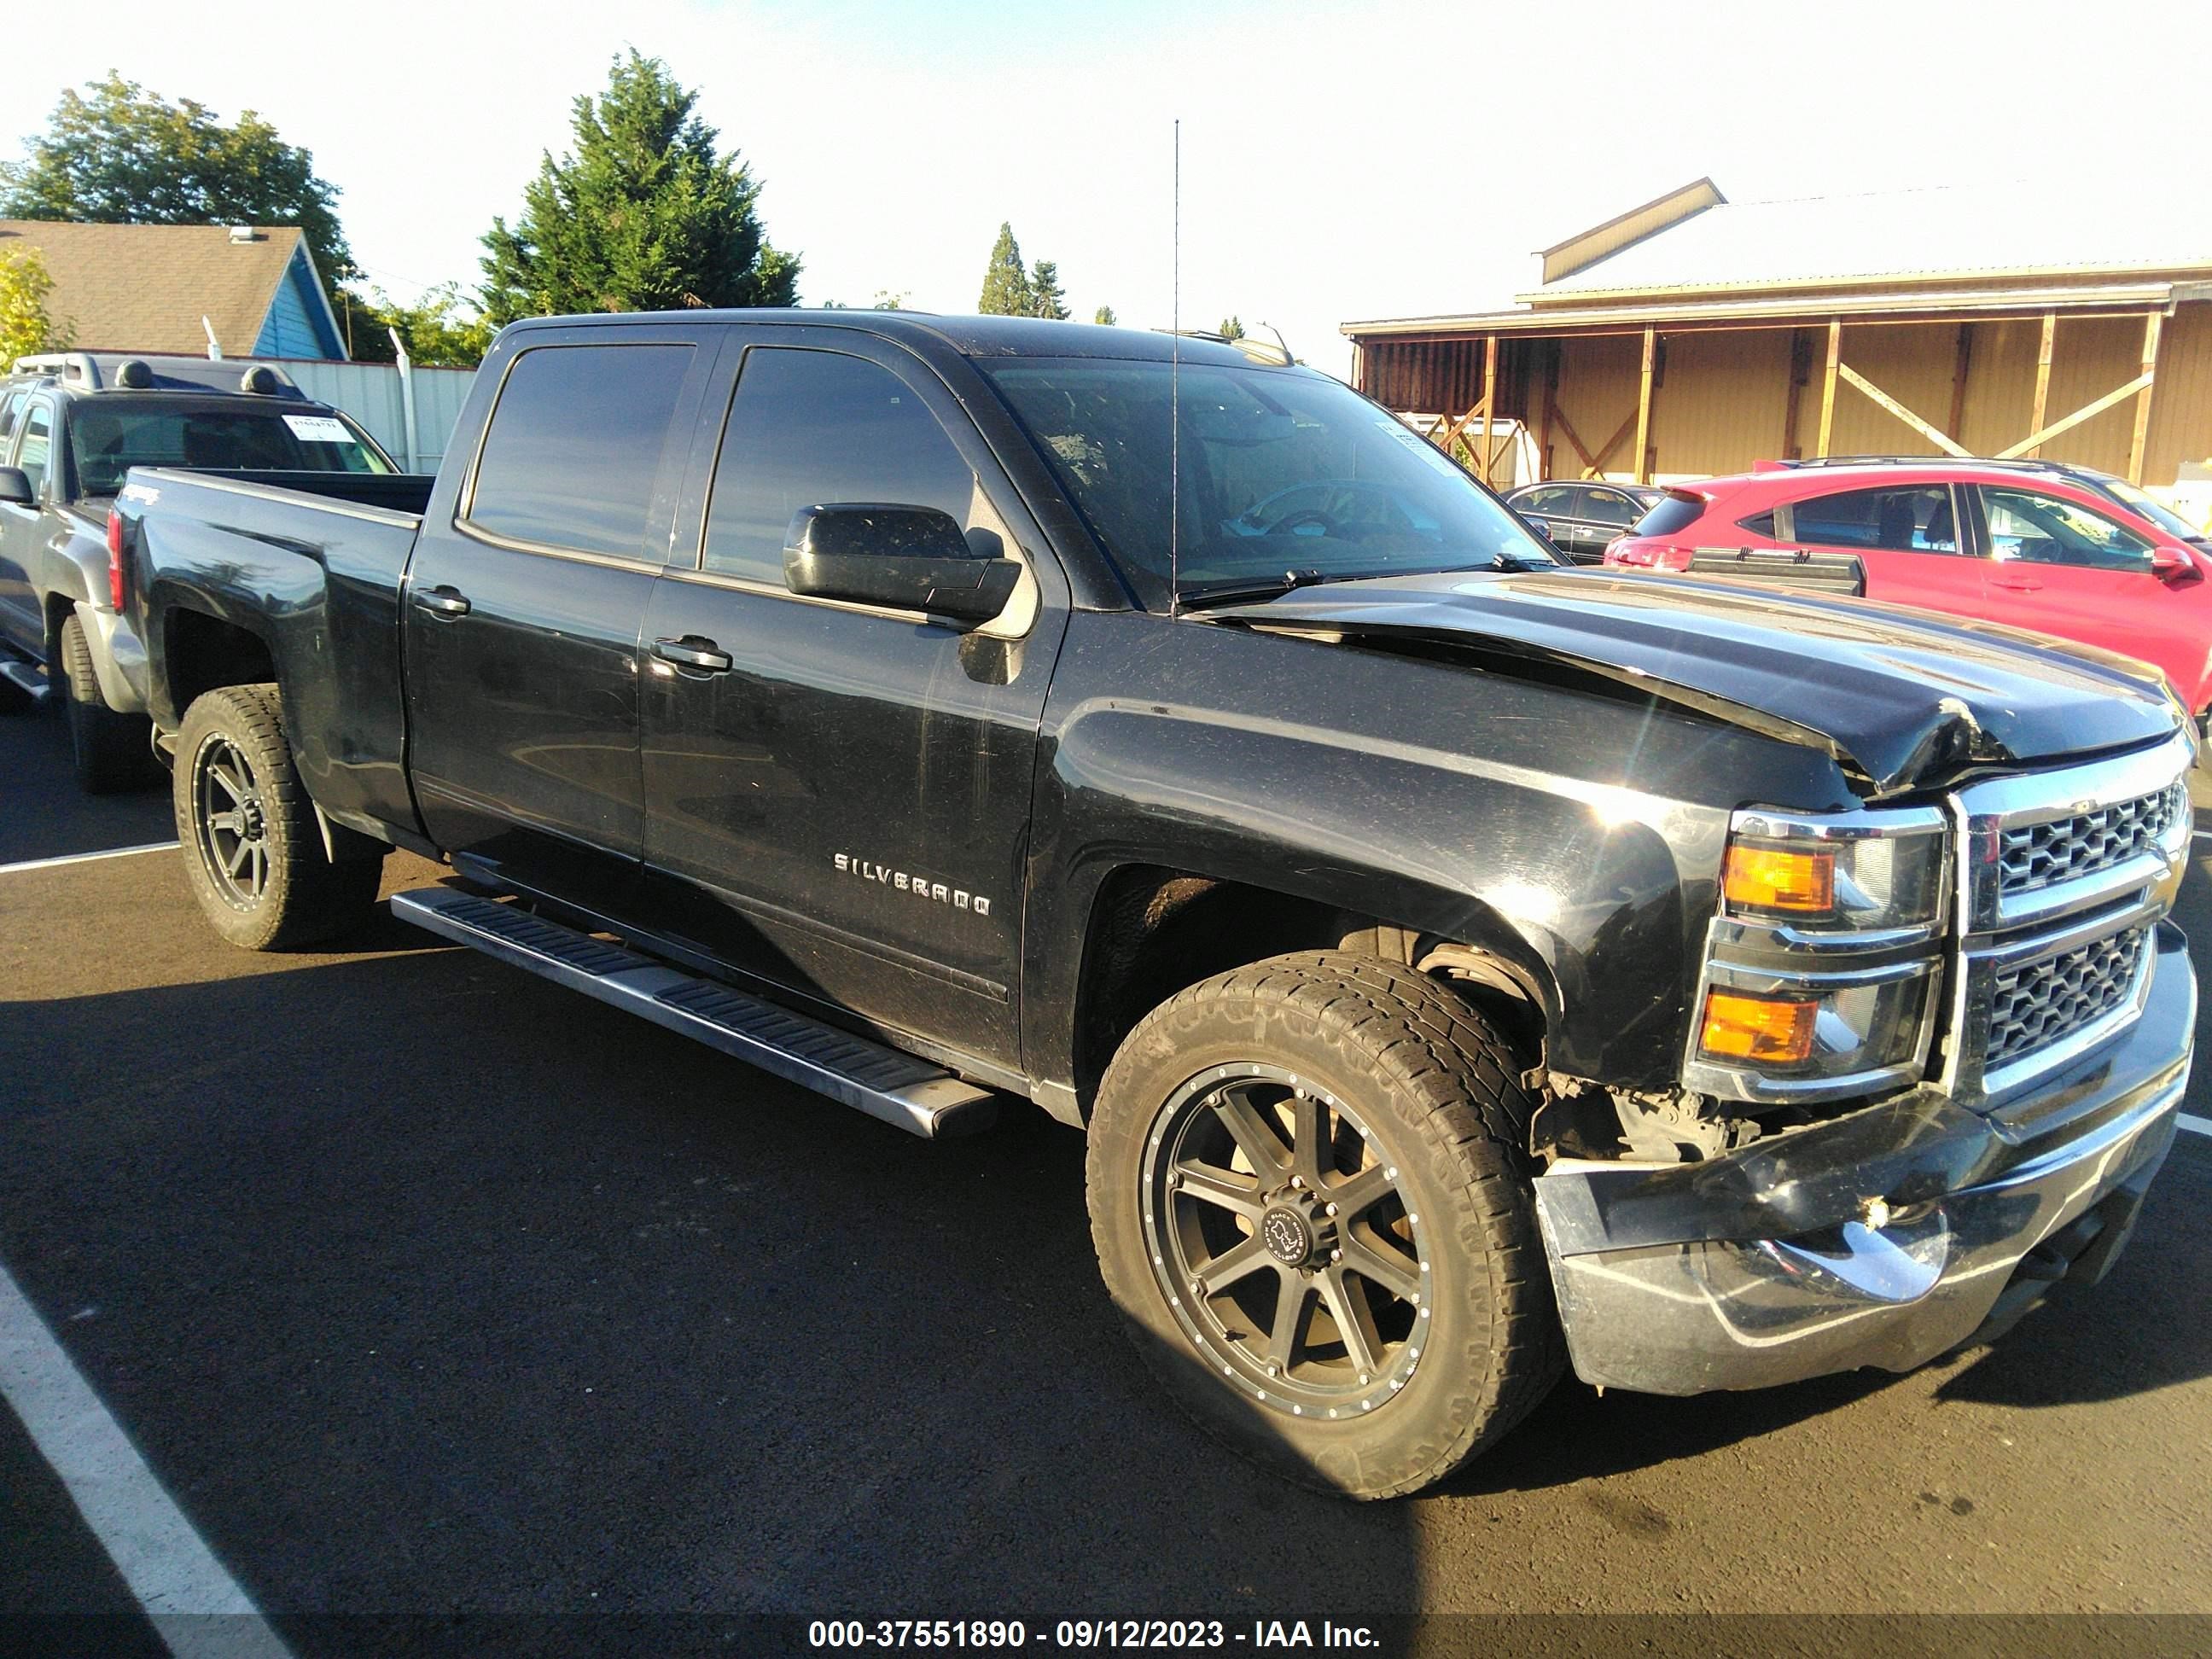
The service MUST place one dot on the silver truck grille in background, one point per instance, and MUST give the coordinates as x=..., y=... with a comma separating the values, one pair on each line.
x=2035, y=1004
x=2038, y=855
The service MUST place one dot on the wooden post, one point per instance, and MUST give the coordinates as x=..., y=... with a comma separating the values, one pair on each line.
x=1828, y=383
x=1489, y=397
x=1551, y=393
x=1959, y=367
x=2143, y=398
x=1644, y=407
x=1800, y=371
x=2042, y=379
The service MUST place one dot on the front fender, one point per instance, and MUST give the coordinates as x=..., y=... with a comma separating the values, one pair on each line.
x=1576, y=838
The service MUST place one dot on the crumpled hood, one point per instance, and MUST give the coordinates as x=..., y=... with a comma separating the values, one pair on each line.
x=1901, y=698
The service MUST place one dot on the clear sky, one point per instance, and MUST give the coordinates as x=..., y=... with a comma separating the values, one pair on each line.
x=1338, y=161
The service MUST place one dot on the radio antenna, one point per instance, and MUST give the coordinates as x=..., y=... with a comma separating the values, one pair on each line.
x=1174, y=386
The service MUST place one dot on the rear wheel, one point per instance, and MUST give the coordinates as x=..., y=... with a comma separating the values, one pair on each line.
x=254, y=853
x=109, y=750
x=1310, y=1202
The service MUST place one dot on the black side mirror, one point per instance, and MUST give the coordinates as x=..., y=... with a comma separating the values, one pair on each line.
x=1541, y=526
x=15, y=487
x=903, y=558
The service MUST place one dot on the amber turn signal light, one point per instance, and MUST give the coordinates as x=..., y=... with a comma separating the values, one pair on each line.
x=1769, y=878
x=1758, y=1028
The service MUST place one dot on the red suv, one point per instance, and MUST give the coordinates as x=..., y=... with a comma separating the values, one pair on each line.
x=2022, y=544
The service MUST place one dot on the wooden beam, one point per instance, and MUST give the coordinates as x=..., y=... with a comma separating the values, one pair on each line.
x=1554, y=412
x=1927, y=429
x=1596, y=466
x=1960, y=363
x=1643, y=408
x=2066, y=423
x=2142, y=400
x=2042, y=375
x=1828, y=383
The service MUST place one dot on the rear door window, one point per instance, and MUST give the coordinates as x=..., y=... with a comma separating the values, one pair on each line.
x=2040, y=529
x=1915, y=520
x=573, y=451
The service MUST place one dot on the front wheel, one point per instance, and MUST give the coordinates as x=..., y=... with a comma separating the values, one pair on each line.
x=1308, y=1195
x=254, y=853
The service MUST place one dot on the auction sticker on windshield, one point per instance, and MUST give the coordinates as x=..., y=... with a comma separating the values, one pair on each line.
x=318, y=429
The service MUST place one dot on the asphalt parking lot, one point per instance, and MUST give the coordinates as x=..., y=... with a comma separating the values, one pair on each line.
x=433, y=1293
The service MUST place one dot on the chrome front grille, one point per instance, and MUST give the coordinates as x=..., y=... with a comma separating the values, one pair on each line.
x=2039, y=1004
x=2063, y=878
x=2035, y=856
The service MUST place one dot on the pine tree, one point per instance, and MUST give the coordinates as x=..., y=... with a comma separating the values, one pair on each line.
x=1045, y=297
x=1005, y=286
x=647, y=213
x=1231, y=329
x=1104, y=316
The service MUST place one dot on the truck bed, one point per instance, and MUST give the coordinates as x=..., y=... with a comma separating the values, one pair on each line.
x=303, y=568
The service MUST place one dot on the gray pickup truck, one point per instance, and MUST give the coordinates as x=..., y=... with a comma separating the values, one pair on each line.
x=72, y=425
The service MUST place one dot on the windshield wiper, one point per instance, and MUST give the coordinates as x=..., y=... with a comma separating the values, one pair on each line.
x=1236, y=593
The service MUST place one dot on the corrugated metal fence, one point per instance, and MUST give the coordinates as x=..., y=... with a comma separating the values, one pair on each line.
x=373, y=395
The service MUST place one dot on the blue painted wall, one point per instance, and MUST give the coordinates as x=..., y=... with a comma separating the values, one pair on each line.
x=297, y=325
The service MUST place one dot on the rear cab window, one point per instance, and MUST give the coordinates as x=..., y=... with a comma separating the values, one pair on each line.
x=108, y=436
x=573, y=454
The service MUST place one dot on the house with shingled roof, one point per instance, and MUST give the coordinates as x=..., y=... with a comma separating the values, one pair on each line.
x=244, y=290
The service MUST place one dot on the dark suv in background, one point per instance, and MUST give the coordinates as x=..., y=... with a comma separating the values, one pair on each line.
x=1583, y=518
x=71, y=426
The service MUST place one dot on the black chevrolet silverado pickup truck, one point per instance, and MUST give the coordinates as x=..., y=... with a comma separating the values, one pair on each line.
x=1462, y=965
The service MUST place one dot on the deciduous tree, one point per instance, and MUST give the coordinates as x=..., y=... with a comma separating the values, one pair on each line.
x=441, y=329
x=118, y=153
x=1104, y=316
x=646, y=214
x=25, y=326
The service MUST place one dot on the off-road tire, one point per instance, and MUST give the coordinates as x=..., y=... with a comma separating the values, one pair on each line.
x=109, y=750
x=1439, y=1092
x=303, y=897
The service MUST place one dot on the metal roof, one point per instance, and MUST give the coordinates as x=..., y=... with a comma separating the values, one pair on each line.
x=1756, y=309
x=1947, y=232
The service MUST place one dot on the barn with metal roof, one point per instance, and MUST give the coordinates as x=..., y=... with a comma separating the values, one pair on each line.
x=1693, y=335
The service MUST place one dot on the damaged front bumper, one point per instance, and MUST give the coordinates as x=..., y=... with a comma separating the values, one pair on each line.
x=1883, y=1238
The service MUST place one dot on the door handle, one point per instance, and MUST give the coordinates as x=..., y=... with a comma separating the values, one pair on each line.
x=2018, y=584
x=442, y=602
x=692, y=652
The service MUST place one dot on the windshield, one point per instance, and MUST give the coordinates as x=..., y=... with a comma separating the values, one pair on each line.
x=106, y=439
x=2147, y=506
x=1283, y=478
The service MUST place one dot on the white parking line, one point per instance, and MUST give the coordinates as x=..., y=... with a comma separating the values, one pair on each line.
x=2197, y=1125
x=167, y=1565
x=86, y=857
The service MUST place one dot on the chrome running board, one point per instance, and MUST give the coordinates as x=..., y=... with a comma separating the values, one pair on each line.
x=903, y=1090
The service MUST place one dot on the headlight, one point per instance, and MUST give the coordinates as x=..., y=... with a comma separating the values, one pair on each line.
x=1822, y=971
